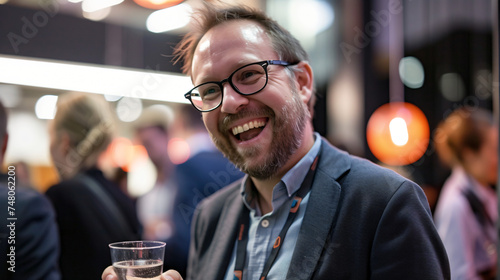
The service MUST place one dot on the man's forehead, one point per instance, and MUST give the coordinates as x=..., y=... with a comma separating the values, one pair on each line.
x=228, y=34
x=233, y=37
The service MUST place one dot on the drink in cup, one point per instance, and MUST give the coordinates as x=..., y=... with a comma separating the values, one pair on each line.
x=138, y=260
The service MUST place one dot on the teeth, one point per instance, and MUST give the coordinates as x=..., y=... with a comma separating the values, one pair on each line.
x=248, y=126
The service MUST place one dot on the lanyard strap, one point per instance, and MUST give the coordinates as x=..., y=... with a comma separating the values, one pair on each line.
x=241, y=249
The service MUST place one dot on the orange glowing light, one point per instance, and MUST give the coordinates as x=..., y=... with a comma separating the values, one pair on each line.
x=157, y=4
x=178, y=150
x=122, y=153
x=398, y=133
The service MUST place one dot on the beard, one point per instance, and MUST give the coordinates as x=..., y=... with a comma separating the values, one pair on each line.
x=288, y=125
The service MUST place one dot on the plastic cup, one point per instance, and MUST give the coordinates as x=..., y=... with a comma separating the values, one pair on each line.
x=137, y=260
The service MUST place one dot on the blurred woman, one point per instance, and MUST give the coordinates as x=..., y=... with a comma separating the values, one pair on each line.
x=466, y=212
x=91, y=210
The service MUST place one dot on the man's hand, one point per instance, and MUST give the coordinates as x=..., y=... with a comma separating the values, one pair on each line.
x=109, y=274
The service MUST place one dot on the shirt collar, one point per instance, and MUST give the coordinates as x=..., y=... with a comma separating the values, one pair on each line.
x=290, y=182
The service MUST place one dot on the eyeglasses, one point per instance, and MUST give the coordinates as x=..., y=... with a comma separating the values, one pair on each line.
x=246, y=80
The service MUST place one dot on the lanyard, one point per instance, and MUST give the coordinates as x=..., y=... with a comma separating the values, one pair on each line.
x=241, y=249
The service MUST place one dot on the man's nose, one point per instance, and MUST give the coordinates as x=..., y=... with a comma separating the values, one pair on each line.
x=232, y=101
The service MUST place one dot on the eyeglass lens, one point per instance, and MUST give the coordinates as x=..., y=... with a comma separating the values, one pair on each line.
x=247, y=80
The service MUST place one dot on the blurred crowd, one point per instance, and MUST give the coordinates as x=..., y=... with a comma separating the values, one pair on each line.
x=86, y=210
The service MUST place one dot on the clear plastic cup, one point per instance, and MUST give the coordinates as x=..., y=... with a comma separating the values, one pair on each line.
x=138, y=260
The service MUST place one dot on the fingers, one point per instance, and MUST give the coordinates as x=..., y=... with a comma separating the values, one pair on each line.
x=109, y=274
x=170, y=275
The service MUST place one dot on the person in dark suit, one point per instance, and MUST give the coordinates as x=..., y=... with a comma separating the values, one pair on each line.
x=305, y=210
x=205, y=172
x=91, y=210
x=29, y=240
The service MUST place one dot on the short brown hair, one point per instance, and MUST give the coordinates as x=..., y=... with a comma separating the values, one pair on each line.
x=287, y=46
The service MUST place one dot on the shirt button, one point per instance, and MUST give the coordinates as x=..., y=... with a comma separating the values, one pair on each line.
x=264, y=223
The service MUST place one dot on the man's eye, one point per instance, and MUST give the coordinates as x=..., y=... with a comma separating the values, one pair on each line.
x=249, y=77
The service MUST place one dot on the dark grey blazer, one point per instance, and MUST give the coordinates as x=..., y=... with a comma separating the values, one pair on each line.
x=362, y=222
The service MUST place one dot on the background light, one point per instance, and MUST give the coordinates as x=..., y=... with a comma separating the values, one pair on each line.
x=169, y=18
x=157, y=4
x=178, y=150
x=45, y=107
x=90, y=6
x=141, y=176
x=97, y=15
x=112, y=98
x=82, y=77
x=319, y=16
x=28, y=139
x=11, y=95
x=398, y=133
x=128, y=109
x=452, y=87
x=411, y=72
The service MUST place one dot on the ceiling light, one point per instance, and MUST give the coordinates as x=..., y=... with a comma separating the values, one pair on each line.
x=157, y=4
x=169, y=19
x=90, y=6
x=398, y=133
x=152, y=85
x=97, y=15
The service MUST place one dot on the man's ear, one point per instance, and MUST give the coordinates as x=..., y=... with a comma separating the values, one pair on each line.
x=305, y=80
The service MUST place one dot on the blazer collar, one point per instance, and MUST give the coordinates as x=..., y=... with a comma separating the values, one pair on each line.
x=225, y=236
x=320, y=216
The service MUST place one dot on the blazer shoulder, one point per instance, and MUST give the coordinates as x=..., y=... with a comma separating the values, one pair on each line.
x=355, y=173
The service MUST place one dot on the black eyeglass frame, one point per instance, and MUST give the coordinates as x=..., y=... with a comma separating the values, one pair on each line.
x=264, y=65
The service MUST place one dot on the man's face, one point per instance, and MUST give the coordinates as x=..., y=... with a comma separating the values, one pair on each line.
x=155, y=141
x=278, y=113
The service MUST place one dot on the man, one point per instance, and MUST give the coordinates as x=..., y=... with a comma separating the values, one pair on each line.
x=155, y=208
x=29, y=240
x=466, y=212
x=305, y=210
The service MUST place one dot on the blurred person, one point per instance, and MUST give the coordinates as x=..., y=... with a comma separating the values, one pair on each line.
x=91, y=210
x=23, y=175
x=29, y=240
x=155, y=207
x=168, y=208
x=204, y=172
x=466, y=212
x=304, y=209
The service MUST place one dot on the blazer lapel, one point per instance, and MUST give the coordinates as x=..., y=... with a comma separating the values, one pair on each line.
x=320, y=213
x=224, y=239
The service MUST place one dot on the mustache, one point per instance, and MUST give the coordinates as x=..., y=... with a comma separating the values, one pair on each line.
x=226, y=123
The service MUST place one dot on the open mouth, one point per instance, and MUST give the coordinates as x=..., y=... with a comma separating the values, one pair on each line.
x=248, y=130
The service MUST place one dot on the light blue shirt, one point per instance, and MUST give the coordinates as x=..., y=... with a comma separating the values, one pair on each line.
x=264, y=229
